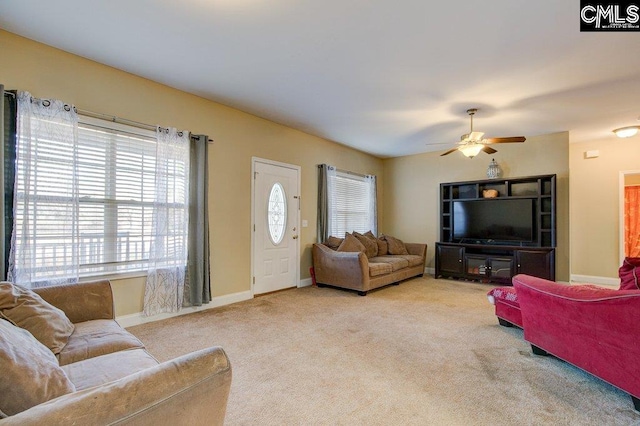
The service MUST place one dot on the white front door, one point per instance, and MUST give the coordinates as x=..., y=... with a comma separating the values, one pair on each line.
x=276, y=205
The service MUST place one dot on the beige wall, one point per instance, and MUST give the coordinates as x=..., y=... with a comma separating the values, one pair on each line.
x=411, y=195
x=48, y=72
x=408, y=186
x=595, y=197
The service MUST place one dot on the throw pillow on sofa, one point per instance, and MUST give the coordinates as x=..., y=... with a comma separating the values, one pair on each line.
x=351, y=244
x=383, y=247
x=30, y=372
x=370, y=245
x=396, y=246
x=28, y=310
x=333, y=242
x=629, y=274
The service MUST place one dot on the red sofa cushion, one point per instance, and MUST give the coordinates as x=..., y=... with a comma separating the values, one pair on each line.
x=630, y=273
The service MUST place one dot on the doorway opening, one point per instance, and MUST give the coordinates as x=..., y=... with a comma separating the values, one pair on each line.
x=629, y=214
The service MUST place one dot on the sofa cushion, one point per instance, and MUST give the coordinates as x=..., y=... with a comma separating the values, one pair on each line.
x=95, y=338
x=28, y=310
x=107, y=368
x=351, y=244
x=30, y=372
x=370, y=245
x=333, y=242
x=396, y=262
x=376, y=269
x=396, y=246
x=629, y=274
x=414, y=260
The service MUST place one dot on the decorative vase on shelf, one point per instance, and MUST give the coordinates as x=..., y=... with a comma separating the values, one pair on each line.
x=494, y=171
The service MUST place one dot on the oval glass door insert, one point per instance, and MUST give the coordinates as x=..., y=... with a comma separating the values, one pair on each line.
x=277, y=213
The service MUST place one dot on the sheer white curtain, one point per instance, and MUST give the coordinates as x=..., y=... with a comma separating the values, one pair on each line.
x=164, y=291
x=44, y=244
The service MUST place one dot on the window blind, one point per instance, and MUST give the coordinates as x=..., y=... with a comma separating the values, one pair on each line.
x=114, y=168
x=351, y=205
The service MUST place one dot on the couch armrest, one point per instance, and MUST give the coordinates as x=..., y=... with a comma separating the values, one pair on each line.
x=417, y=249
x=343, y=269
x=190, y=390
x=81, y=302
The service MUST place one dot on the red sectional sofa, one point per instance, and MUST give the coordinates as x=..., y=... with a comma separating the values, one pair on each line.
x=594, y=328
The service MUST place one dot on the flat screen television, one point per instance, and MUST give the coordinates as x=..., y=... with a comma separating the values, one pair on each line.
x=494, y=221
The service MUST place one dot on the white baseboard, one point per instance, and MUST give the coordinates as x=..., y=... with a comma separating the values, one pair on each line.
x=306, y=282
x=589, y=279
x=137, y=318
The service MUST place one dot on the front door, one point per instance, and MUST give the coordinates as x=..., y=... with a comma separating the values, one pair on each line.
x=276, y=205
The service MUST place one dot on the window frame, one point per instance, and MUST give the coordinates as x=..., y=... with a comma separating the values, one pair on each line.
x=347, y=176
x=110, y=265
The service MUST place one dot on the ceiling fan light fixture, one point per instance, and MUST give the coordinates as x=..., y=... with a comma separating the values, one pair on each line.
x=626, y=132
x=471, y=150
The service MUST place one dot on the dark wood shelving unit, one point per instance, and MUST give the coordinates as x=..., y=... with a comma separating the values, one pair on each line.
x=494, y=261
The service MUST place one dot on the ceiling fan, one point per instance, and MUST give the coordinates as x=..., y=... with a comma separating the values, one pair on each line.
x=472, y=143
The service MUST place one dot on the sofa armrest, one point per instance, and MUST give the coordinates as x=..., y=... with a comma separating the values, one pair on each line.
x=83, y=301
x=343, y=269
x=190, y=390
x=417, y=249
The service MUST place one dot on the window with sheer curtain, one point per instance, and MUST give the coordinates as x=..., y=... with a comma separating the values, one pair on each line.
x=108, y=174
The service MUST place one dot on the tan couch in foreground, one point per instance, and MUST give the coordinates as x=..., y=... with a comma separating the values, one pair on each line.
x=114, y=380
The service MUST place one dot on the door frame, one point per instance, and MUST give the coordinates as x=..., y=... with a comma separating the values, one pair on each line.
x=255, y=160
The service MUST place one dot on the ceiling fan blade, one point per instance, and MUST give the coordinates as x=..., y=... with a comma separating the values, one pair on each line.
x=489, y=150
x=506, y=140
x=449, y=152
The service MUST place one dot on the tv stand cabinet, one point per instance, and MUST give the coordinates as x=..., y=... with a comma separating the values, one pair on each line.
x=487, y=260
x=493, y=263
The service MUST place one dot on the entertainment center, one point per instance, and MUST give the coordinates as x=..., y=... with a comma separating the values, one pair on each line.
x=491, y=230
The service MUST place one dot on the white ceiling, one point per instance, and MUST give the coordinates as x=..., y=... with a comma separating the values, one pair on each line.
x=387, y=77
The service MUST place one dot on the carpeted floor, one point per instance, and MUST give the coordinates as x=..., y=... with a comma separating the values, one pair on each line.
x=425, y=352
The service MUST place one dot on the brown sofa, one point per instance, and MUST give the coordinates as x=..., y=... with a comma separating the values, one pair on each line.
x=113, y=379
x=355, y=270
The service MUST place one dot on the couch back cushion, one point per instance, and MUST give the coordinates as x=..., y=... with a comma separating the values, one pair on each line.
x=333, y=242
x=630, y=274
x=28, y=310
x=351, y=244
x=30, y=372
x=396, y=246
x=370, y=245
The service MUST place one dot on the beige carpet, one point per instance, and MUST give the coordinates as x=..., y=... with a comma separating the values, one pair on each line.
x=426, y=352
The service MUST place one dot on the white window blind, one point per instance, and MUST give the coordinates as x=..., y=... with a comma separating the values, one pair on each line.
x=352, y=204
x=114, y=165
x=116, y=194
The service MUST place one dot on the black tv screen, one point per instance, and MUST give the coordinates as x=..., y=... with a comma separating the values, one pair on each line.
x=494, y=220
